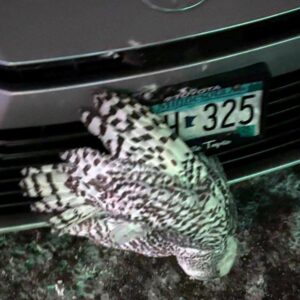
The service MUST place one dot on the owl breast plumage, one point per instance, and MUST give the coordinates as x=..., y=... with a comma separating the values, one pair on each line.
x=150, y=194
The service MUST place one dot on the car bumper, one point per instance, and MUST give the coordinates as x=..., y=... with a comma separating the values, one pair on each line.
x=39, y=106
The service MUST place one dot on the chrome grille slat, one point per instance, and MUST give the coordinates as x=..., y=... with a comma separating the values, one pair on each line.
x=285, y=91
x=289, y=85
x=10, y=193
x=284, y=111
x=281, y=146
x=15, y=204
x=41, y=140
x=24, y=155
x=295, y=121
x=263, y=141
x=284, y=100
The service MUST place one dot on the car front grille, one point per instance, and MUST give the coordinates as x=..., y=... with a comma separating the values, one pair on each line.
x=282, y=125
x=40, y=145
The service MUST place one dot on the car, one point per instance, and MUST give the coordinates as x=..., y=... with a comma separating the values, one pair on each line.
x=225, y=75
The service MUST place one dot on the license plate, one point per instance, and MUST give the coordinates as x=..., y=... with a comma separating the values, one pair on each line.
x=194, y=114
x=215, y=112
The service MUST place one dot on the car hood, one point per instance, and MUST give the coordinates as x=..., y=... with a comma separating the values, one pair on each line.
x=37, y=31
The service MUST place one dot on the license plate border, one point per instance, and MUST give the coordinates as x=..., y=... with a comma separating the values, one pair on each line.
x=248, y=74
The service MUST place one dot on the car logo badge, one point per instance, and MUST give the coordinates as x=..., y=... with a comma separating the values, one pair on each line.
x=173, y=5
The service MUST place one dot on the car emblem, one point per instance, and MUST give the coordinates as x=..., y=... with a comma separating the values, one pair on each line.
x=173, y=5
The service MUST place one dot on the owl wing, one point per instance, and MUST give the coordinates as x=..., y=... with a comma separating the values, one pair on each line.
x=130, y=130
x=109, y=200
x=89, y=186
x=77, y=215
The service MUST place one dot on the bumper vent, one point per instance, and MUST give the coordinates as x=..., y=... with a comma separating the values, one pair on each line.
x=40, y=145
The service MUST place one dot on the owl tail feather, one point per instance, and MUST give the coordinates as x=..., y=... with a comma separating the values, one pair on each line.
x=44, y=181
x=49, y=183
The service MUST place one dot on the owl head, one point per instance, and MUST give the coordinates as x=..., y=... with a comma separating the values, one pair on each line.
x=208, y=264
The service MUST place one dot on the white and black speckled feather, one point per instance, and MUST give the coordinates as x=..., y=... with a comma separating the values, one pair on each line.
x=150, y=195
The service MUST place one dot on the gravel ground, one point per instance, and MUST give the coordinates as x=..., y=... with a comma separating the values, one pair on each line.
x=38, y=265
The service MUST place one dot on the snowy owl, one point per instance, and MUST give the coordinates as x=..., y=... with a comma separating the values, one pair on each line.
x=150, y=194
